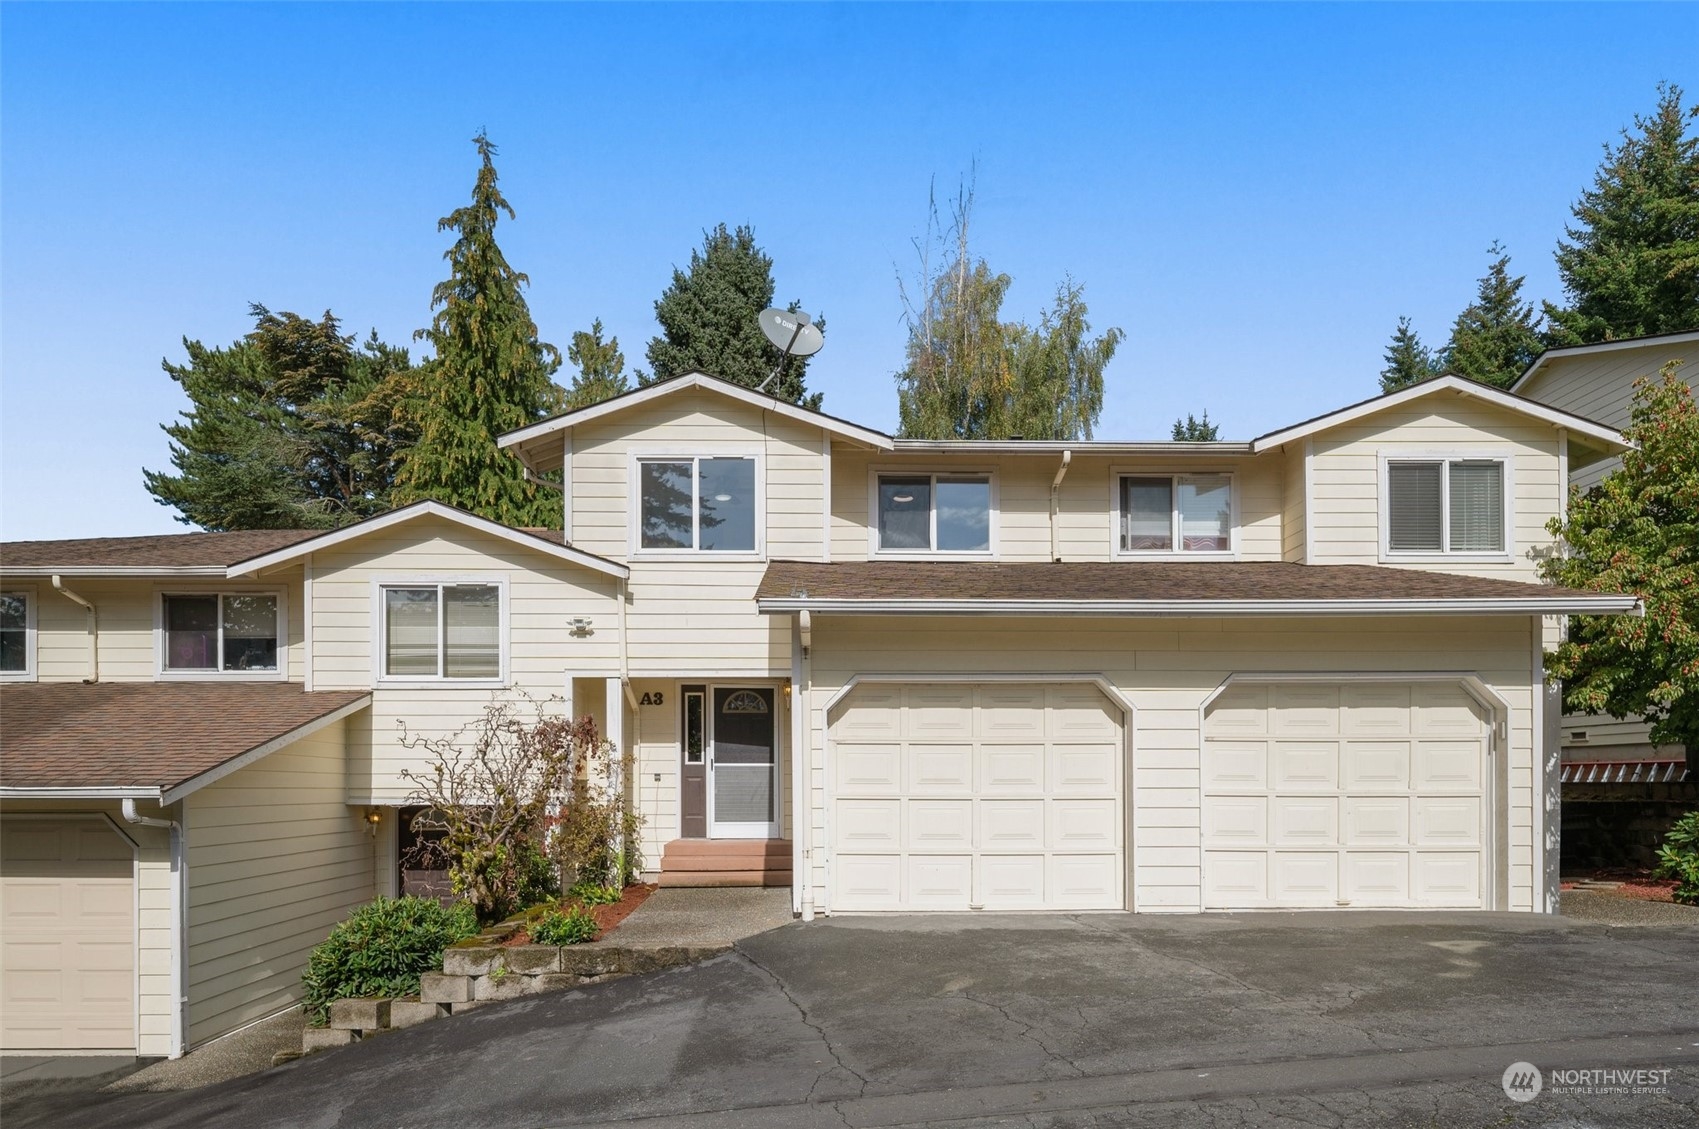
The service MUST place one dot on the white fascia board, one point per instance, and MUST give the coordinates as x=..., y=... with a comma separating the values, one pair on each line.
x=1650, y=342
x=692, y=380
x=1162, y=447
x=427, y=509
x=219, y=772
x=1587, y=605
x=92, y=792
x=1579, y=425
x=107, y=570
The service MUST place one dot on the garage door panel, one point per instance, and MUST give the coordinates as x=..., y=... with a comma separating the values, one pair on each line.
x=876, y=716
x=1453, y=766
x=1448, y=821
x=1231, y=821
x=1006, y=796
x=1372, y=821
x=1377, y=877
x=1303, y=710
x=1306, y=878
x=1306, y=765
x=1445, y=710
x=1301, y=821
x=1235, y=878
x=1236, y=764
x=1448, y=878
x=1378, y=766
x=1370, y=711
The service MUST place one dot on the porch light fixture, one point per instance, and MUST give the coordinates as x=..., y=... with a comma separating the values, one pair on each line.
x=581, y=628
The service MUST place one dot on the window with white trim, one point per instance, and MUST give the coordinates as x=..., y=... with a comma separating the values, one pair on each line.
x=704, y=504
x=927, y=513
x=1176, y=513
x=17, y=636
x=222, y=633
x=441, y=631
x=1445, y=506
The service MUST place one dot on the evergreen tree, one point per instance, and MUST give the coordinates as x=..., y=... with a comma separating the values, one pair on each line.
x=291, y=427
x=600, y=365
x=1631, y=264
x=1496, y=337
x=970, y=375
x=490, y=373
x=1408, y=361
x=709, y=320
x=1194, y=430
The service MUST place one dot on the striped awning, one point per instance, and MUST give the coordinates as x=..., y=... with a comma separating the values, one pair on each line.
x=1658, y=771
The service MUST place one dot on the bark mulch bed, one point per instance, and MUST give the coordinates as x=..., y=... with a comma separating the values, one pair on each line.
x=607, y=916
x=1634, y=884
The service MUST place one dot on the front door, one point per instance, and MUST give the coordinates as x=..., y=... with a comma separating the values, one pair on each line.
x=743, y=765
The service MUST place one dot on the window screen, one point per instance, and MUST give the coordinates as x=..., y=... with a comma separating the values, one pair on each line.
x=1413, y=507
x=1477, y=507
x=1147, y=514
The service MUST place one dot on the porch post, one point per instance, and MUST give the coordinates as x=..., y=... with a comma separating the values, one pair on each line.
x=614, y=723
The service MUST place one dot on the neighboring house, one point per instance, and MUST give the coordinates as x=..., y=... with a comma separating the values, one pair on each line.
x=1299, y=671
x=1620, y=792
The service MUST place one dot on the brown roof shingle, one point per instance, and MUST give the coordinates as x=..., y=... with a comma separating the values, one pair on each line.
x=144, y=734
x=1133, y=581
x=165, y=550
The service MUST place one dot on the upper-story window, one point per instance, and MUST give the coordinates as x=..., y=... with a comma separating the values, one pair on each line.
x=934, y=513
x=440, y=632
x=1444, y=505
x=17, y=636
x=1176, y=513
x=232, y=634
x=705, y=504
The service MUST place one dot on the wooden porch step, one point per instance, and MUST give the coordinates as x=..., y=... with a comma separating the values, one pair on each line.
x=728, y=849
x=726, y=862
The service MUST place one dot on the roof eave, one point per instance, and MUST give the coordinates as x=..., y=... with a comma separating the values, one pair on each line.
x=242, y=760
x=90, y=792
x=116, y=570
x=1600, y=605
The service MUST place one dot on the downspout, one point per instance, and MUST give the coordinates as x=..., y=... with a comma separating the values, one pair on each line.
x=802, y=816
x=636, y=735
x=93, y=629
x=179, y=914
x=1056, y=500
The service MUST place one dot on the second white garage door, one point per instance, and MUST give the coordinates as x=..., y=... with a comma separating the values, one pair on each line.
x=1348, y=795
x=993, y=796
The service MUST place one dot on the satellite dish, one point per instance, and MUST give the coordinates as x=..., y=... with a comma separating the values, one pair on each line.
x=793, y=334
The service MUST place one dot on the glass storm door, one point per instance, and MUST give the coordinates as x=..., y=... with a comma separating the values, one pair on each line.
x=743, y=766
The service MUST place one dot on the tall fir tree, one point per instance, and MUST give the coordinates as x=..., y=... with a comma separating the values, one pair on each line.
x=291, y=427
x=600, y=365
x=1194, y=430
x=1497, y=336
x=1630, y=266
x=1408, y=361
x=709, y=320
x=490, y=373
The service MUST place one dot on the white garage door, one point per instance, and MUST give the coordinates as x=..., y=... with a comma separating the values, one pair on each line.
x=977, y=796
x=1345, y=795
x=67, y=936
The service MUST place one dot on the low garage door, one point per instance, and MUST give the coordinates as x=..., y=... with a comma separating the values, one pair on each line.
x=67, y=936
x=1362, y=794
x=977, y=796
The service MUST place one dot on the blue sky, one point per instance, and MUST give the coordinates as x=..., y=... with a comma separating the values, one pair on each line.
x=1254, y=194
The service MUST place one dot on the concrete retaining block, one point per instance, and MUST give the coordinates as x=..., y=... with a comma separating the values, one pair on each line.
x=510, y=987
x=532, y=959
x=323, y=1038
x=359, y=1015
x=472, y=960
x=442, y=988
x=466, y=1005
x=592, y=962
x=410, y=1013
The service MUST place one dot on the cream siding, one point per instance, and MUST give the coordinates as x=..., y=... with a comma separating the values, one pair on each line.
x=544, y=595
x=276, y=858
x=1293, y=516
x=1167, y=669
x=1600, y=386
x=153, y=914
x=1346, y=487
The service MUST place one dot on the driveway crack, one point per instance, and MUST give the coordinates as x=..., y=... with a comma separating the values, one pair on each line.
x=825, y=1040
x=1027, y=1031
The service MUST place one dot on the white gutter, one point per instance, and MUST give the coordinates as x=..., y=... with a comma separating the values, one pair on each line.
x=93, y=792
x=1596, y=605
x=1164, y=447
x=111, y=570
x=179, y=913
x=1055, y=500
x=93, y=628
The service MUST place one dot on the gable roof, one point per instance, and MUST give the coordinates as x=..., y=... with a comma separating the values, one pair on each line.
x=1580, y=425
x=525, y=437
x=203, y=554
x=1650, y=341
x=550, y=542
x=151, y=739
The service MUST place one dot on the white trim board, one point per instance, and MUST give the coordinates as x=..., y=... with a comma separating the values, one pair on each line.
x=1544, y=605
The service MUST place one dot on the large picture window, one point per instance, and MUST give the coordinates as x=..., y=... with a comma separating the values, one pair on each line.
x=219, y=633
x=1176, y=513
x=442, y=631
x=1445, y=506
x=705, y=504
x=923, y=513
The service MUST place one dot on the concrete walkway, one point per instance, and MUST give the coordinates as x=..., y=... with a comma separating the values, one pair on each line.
x=704, y=918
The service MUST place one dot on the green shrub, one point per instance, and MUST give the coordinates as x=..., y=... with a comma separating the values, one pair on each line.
x=574, y=927
x=381, y=949
x=590, y=894
x=1678, y=858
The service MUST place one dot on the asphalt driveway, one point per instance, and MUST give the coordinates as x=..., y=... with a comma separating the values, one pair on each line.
x=1053, y=1021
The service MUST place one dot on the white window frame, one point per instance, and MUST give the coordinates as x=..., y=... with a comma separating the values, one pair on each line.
x=693, y=455
x=1446, y=555
x=874, y=550
x=439, y=682
x=1231, y=553
x=28, y=673
x=161, y=674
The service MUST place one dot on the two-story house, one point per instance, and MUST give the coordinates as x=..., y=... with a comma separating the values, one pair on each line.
x=1298, y=671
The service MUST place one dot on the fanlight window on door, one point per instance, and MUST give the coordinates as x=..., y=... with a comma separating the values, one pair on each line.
x=744, y=701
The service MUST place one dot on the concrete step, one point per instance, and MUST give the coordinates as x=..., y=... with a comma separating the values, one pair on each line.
x=720, y=878
x=708, y=864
